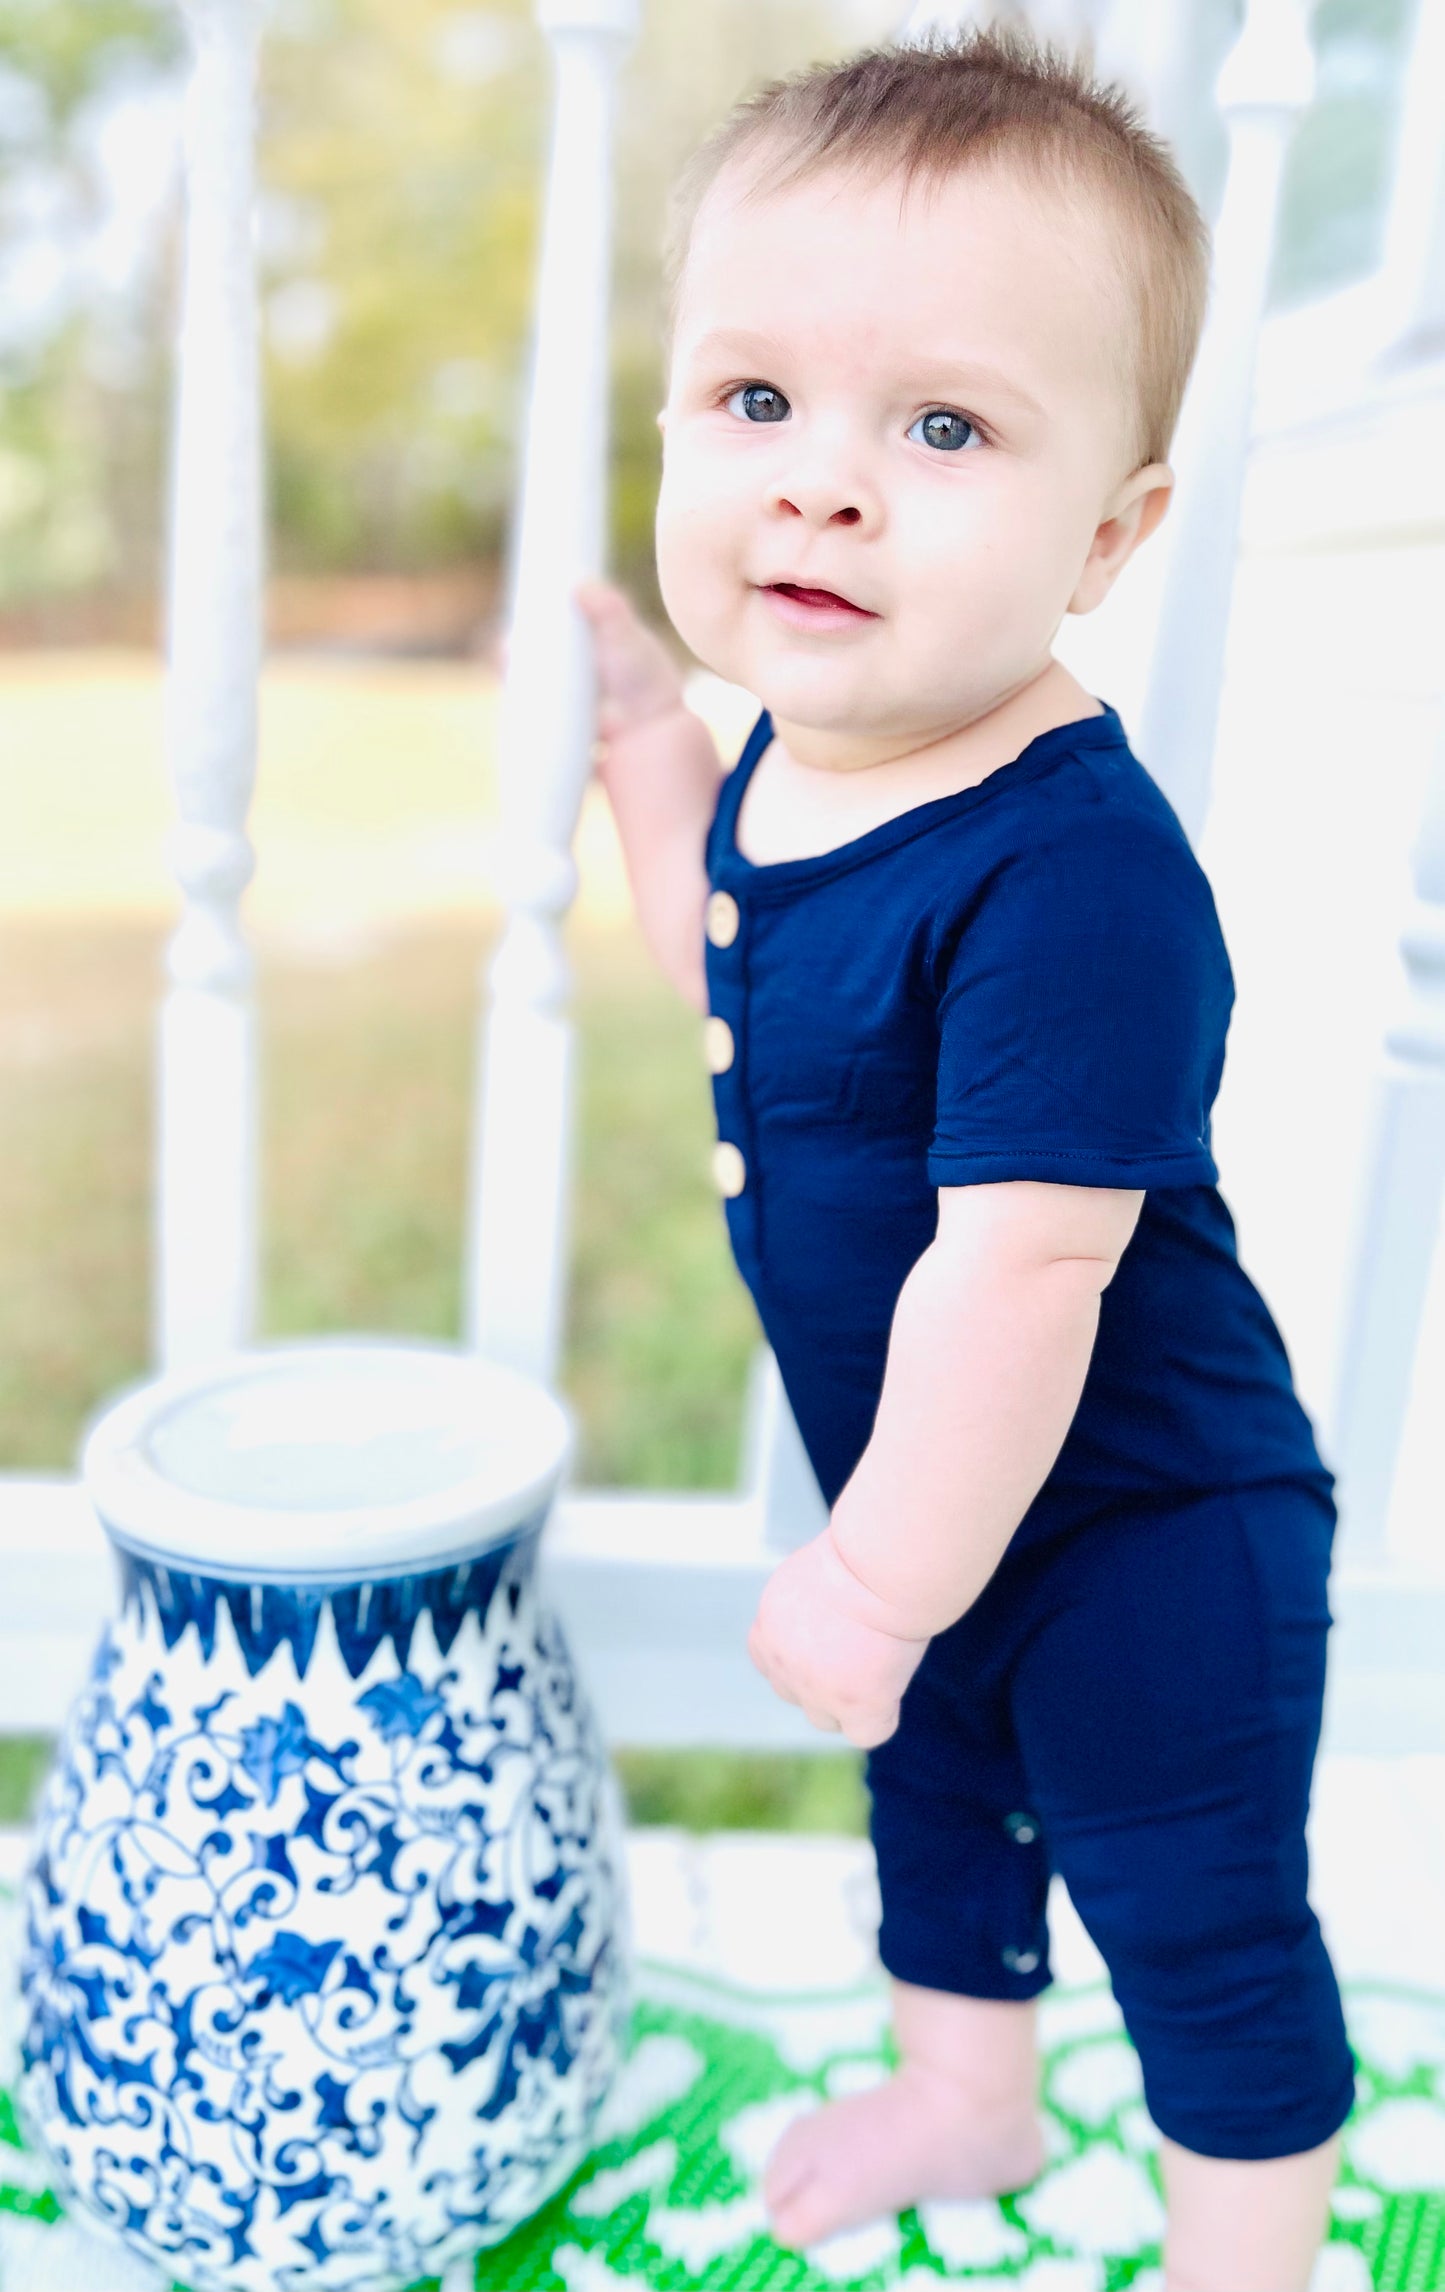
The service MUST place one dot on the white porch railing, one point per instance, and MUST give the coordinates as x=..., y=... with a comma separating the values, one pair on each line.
x=657, y=1591
x=206, y=1183
x=1396, y=1218
x=516, y=1246
x=1267, y=82
x=1412, y=275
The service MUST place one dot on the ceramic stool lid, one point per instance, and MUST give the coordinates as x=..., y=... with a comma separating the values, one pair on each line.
x=340, y=1457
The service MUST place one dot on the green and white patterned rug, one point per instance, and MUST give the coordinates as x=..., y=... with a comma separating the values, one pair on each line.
x=668, y=2201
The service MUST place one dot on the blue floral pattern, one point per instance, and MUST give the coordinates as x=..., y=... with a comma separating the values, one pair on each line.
x=326, y=1942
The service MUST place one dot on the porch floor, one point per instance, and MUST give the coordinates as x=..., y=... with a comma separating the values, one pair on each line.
x=759, y=1994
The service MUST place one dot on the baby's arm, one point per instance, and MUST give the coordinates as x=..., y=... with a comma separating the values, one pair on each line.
x=989, y=1349
x=990, y=1345
x=659, y=767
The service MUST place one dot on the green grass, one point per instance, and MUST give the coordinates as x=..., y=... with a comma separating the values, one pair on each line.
x=23, y=1760
x=366, y=1078
x=696, y=1790
x=365, y=1090
x=758, y=1790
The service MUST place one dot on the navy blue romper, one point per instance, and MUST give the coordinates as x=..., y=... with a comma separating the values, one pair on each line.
x=1027, y=979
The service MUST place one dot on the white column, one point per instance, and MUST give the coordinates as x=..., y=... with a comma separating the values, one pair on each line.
x=1412, y=270
x=1397, y=1216
x=947, y=16
x=517, y=1212
x=1068, y=23
x=1266, y=82
x=205, y=1227
x=1064, y=21
x=1149, y=47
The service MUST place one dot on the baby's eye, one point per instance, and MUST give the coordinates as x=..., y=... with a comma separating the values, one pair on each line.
x=945, y=430
x=761, y=402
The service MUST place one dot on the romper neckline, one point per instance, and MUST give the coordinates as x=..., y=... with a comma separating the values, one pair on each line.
x=1040, y=755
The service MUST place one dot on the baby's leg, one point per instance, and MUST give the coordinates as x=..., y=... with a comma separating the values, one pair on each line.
x=1168, y=1711
x=963, y=1873
x=1253, y=2225
x=958, y=2118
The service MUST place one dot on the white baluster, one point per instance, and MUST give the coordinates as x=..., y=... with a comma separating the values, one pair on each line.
x=1266, y=82
x=1150, y=47
x=1052, y=19
x=1412, y=272
x=205, y=1230
x=517, y=1213
x=1397, y=1215
x=1066, y=23
x=938, y=16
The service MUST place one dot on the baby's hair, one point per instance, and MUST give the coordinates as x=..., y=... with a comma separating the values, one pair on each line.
x=992, y=97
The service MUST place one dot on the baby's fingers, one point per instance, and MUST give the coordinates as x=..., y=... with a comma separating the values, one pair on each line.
x=761, y=1657
x=600, y=601
x=866, y=1729
x=783, y=1684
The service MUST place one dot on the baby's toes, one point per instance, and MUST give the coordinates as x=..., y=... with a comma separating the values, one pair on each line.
x=792, y=2160
x=799, y=2186
x=806, y=2215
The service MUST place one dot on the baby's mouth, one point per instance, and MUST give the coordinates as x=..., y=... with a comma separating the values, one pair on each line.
x=823, y=602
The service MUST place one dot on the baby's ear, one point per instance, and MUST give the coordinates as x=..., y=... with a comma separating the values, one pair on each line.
x=1133, y=513
x=662, y=418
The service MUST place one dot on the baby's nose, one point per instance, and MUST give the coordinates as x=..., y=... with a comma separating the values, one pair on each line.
x=823, y=473
x=819, y=504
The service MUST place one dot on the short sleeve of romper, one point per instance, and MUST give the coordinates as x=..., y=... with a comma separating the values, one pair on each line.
x=1084, y=995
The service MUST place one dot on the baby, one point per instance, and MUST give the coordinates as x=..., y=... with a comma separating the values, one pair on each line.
x=934, y=309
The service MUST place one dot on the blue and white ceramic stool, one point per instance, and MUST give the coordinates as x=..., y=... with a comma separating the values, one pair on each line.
x=326, y=1965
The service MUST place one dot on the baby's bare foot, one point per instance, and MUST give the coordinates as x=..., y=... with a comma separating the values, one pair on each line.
x=919, y=2136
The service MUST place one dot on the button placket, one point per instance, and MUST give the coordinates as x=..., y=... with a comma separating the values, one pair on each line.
x=721, y=918
x=723, y=928
x=729, y=1170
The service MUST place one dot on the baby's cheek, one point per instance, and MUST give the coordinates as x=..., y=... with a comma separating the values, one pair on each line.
x=984, y=576
x=701, y=588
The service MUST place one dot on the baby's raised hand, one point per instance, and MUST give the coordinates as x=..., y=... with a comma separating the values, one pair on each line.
x=657, y=763
x=816, y=1645
x=636, y=676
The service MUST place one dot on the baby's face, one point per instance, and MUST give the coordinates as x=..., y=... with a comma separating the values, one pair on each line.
x=924, y=412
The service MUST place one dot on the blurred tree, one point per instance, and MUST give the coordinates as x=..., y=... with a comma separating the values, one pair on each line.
x=70, y=50
x=401, y=146
x=81, y=355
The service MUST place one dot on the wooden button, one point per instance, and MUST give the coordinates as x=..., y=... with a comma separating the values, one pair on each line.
x=729, y=1170
x=722, y=918
x=717, y=1044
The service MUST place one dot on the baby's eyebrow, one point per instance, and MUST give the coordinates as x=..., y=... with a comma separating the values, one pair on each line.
x=740, y=340
x=964, y=378
x=968, y=378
